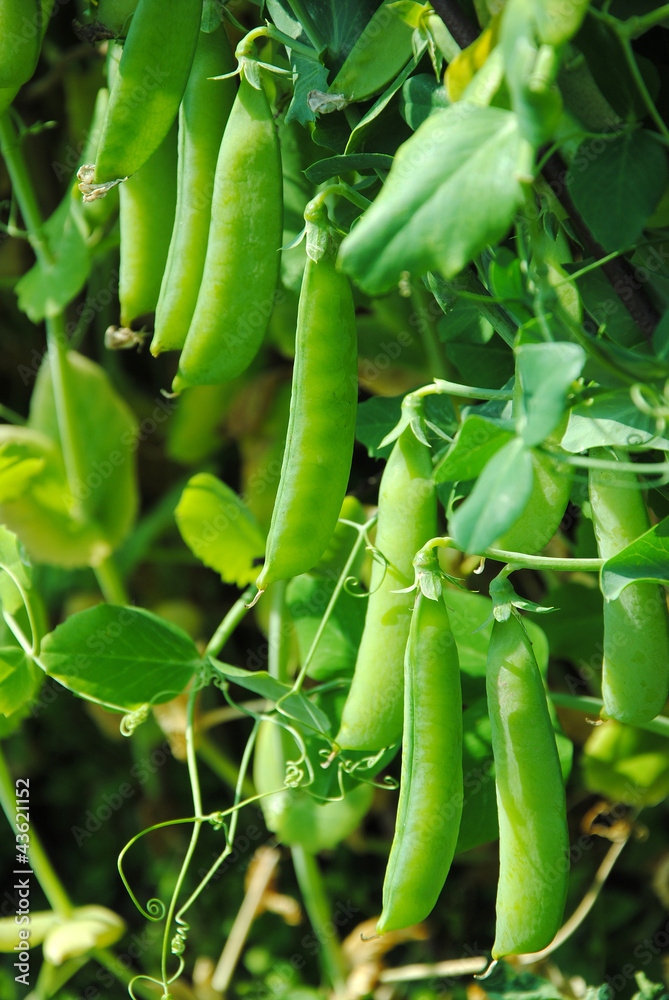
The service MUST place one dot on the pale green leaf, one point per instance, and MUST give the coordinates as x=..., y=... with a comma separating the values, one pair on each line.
x=219, y=529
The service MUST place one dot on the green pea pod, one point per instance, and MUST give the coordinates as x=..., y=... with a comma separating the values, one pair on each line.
x=295, y=816
x=114, y=16
x=431, y=790
x=20, y=40
x=241, y=267
x=202, y=117
x=372, y=716
x=146, y=213
x=8, y=91
x=148, y=88
x=321, y=429
x=533, y=835
x=545, y=508
x=635, y=668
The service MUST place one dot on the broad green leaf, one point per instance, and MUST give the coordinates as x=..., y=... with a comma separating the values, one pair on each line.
x=498, y=499
x=106, y=432
x=20, y=680
x=611, y=419
x=120, y=657
x=421, y=95
x=545, y=372
x=48, y=287
x=452, y=190
x=376, y=418
x=45, y=517
x=16, y=471
x=334, y=166
x=307, y=597
x=359, y=136
x=477, y=441
x=219, y=529
x=646, y=558
x=479, y=813
x=617, y=190
x=294, y=704
x=369, y=67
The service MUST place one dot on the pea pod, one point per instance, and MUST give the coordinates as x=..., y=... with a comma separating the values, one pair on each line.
x=241, y=266
x=431, y=790
x=545, y=508
x=533, y=836
x=20, y=38
x=295, y=816
x=146, y=213
x=372, y=716
x=202, y=116
x=149, y=86
x=635, y=668
x=40, y=22
x=321, y=429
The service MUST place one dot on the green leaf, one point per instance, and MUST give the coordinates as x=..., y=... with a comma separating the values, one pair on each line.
x=617, y=190
x=369, y=67
x=106, y=431
x=421, y=96
x=611, y=419
x=46, y=289
x=20, y=680
x=452, y=190
x=16, y=471
x=557, y=21
x=498, y=499
x=646, y=558
x=360, y=134
x=219, y=529
x=44, y=516
x=376, y=418
x=120, y=657
x=475, y=444
x=294, y=704
x=545, y=372
x=335, y=166
x=307, y=598
x=626, y=764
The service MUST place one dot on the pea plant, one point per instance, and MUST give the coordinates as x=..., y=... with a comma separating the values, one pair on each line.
x=334, y=501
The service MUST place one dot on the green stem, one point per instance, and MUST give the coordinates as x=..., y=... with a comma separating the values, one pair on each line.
x=642, y=88
x=519, y=559
x=427, y=329
x=197, y=825
x=237, y=612
x=343, y=577
x=442, y=385
x=593, y=706
x=41, y=866
x=110, y=582
x=309, y=25
x=22, y=188
x=6, y=413
x=317, y=905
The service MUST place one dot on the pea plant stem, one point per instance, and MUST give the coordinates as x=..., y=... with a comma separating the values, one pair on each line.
x=318, y=908
x=110, y=582
x=57, y=345
x=234, y=616
x=593, y=706
x=520, y=559
x=39, y=861
x=278, y=635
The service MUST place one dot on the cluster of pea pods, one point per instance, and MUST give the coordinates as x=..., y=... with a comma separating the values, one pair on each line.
x=217, y=164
